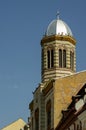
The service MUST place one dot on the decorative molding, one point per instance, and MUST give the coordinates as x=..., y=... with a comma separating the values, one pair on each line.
x=47, y=39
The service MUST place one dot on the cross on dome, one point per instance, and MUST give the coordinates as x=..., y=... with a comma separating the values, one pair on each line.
x=58, y=14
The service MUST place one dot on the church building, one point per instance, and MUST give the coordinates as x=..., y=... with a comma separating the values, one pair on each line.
x=59, y=101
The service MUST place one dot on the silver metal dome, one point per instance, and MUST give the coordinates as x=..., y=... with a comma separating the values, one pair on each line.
x=58, y=27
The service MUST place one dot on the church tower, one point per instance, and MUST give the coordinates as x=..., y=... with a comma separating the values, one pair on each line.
x=58, y=59
x=58, y=51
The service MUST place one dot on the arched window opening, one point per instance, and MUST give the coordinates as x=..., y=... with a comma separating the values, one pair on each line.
x=50, y=58
x=37, y=119
x=48, y=110
x=72, y=60
x=62, y=58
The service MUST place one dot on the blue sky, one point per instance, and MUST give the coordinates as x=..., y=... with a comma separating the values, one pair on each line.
x=22, y=26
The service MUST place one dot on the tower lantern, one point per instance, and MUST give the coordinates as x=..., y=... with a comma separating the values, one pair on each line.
x=58, y=51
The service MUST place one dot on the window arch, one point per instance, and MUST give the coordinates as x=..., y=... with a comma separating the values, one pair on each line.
x=50, y=58
x=62, y=58
x=72, y=60
x=37, y=119
x=48, y=110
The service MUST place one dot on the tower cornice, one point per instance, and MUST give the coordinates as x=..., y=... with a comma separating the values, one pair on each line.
x=58, y=37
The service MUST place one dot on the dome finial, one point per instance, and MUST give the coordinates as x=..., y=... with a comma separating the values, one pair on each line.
x=58, y=14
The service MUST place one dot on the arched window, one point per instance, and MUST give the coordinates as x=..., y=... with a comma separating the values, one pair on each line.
x=71, y=60
x=48, y=110
x=50, y=58
x=62, y=58
x=37, y=119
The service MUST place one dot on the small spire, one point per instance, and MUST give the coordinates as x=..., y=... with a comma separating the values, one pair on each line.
x=58, y=14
